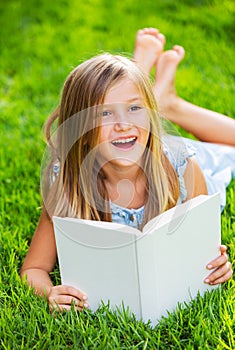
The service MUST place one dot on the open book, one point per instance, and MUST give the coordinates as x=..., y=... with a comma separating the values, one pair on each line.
x=149, y=271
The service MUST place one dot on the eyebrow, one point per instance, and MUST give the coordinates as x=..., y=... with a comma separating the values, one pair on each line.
x=130, y=100
x=136, y=98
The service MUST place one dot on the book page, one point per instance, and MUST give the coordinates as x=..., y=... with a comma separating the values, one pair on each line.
x=172, y=259
x=99, y=261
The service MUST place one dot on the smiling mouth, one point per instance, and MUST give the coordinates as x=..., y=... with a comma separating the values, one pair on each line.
x=124, y=143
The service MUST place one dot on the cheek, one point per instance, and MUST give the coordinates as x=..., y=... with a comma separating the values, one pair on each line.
x=142, y=120
x=104, y=133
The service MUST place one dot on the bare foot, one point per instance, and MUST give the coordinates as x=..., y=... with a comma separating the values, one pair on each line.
x=149, y=45
x=164, y=84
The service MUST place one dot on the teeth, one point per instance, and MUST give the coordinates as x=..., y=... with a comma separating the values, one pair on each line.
x=129, y=139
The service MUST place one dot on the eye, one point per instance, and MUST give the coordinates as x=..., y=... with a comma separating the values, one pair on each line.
x=134, y=108
x=106, y=113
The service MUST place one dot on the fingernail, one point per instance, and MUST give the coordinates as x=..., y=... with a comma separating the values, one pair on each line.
x=85, y=305
x=207, y=280
x=84, y=297
x=209, y=266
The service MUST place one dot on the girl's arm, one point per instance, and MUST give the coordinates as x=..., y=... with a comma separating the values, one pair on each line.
x=40, y=261
x=194, y=180
x=195, y=184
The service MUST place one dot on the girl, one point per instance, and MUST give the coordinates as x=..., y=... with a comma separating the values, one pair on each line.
x=111, y=158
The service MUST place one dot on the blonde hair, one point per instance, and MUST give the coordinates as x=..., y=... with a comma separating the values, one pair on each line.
x=79, y=191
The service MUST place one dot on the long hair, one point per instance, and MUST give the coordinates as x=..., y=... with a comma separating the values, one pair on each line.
x=79, y=189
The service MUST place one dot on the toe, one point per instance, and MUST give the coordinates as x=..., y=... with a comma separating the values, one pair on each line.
x=161, y=37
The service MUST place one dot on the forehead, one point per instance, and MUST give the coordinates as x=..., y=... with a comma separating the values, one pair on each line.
x=125, y=91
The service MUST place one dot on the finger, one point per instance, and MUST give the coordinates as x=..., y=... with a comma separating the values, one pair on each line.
x=219, y=273
x=65, y=299
x=223, y=278
x=64, y=307
x=223, y=249
x=220, y=260
x=54, y=305
x=59, y=308
x=69, y=290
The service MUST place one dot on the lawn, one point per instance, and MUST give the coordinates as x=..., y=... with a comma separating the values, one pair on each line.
x=40, y=43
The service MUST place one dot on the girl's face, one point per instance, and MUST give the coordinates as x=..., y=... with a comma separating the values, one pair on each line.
x=124, y=124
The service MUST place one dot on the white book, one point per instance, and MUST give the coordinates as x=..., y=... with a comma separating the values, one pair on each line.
x=149, y=271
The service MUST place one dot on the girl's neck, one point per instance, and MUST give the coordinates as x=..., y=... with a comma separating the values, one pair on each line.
x=126, y=188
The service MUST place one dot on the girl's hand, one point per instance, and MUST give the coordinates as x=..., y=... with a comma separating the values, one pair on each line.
x=223, y=268
x=62, y=297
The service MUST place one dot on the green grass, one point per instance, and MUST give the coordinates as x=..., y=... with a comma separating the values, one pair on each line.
x=40, y=43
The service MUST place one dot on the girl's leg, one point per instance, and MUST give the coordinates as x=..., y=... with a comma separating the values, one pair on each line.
x=206, y=125
x=149, y=45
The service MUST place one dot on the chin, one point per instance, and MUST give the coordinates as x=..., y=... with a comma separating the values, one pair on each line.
x=123, y=162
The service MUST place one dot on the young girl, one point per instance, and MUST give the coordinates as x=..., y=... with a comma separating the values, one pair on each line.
x=111, y=161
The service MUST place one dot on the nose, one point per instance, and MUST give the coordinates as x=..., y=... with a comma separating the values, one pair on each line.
x=122, y=121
